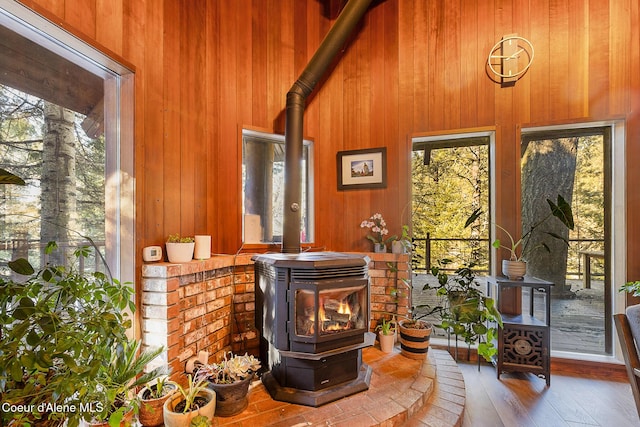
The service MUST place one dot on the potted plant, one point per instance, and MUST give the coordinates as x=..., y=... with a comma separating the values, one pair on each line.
x=180, y=249
x=386, y=334
x=466, y=312
x=152, y=398
x=188, y=403
x=378, y=227
x=58, y=328
x=230, y=379
x=402, y=244
x=114, y=398
x=515, y=267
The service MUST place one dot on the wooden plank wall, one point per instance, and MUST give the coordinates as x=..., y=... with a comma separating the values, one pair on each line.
x=205, y=68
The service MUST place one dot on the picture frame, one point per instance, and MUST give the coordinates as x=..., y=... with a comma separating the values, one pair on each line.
x=362, y=169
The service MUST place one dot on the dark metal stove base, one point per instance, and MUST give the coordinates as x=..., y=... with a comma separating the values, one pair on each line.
x=320, y=397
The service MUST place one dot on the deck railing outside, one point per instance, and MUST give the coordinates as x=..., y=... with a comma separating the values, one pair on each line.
x=429, y=250
x=34, y=252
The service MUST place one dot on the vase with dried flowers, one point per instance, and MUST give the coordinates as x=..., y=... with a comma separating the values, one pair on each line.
x=379, y=231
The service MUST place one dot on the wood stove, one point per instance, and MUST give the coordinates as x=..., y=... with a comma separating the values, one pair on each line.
x=313, y=313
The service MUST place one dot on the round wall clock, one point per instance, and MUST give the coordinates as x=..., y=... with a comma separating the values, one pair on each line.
x=510, y=58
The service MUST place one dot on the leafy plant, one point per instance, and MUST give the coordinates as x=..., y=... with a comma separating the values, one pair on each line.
x=58, y=327
x=176, y=238
x=466, y=312
x=160, y=388
x=518, y=247
x=200, y=421
x=386, y=327
x=191, y=393
x=632, y=288
x=229, y=370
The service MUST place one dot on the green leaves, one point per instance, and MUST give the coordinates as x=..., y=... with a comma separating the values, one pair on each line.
x=21, y=266
x=562, y=211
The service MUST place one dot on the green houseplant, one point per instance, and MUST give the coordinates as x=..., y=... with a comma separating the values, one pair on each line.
x=188, y=403
x=152, y=397
x=466, y=311
x=515, y=266
x=230, y=378
x=386, y=334
x=58, y=328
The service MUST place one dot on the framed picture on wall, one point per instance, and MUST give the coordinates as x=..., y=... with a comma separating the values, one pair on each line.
x=362, y=168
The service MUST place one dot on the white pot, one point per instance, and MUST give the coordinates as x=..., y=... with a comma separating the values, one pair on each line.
x=514, y=270
x=397, y=247
x=180, y=419
x=180, y=252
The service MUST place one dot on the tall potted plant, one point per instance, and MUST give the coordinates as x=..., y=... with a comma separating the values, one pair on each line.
x=466, y=311
x=515, y=267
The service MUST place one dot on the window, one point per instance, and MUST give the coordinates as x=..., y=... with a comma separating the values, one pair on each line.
x=263, y=188
x=61, y=130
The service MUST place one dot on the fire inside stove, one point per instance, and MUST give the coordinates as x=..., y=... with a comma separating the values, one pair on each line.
x=329, y=312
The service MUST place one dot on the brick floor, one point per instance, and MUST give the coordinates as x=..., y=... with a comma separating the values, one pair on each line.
x=403, y=392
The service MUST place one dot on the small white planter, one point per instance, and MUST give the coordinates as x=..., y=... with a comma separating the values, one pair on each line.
x=514, y=270
x=180, y=252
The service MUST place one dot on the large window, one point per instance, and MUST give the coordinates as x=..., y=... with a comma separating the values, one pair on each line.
x=263, y=188
x=575, y=163
x=61, y=132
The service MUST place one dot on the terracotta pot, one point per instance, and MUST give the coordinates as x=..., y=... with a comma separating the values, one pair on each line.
x=414, y=338
x=514, y=270
x=387, y=342
x=183, y=419
x=231, y=399
x=150, y=412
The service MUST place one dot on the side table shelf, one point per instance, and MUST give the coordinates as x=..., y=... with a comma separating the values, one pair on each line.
x=524, y=341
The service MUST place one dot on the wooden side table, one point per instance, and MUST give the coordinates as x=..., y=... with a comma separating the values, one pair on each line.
x=524, y=341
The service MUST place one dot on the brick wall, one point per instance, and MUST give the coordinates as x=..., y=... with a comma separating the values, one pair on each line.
x=199, y=305
x=390, y=286
x=210, y=304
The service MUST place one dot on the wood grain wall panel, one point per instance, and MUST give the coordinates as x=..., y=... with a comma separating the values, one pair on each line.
x=619, y=57
x=486, y=37
x=203, y=72
x=558, y=73
x=109, y=27
x=598, y=69
x=578, y=53
x=228, y=164
x=258, y=58
x=82, y=15
x=169, y=38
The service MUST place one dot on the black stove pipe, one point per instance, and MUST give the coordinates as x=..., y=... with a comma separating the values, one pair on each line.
x=296, y=97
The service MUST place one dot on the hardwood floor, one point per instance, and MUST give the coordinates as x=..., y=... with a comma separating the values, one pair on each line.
x=522, y=400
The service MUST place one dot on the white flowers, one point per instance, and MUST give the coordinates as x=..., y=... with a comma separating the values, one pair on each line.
x=377, y=225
